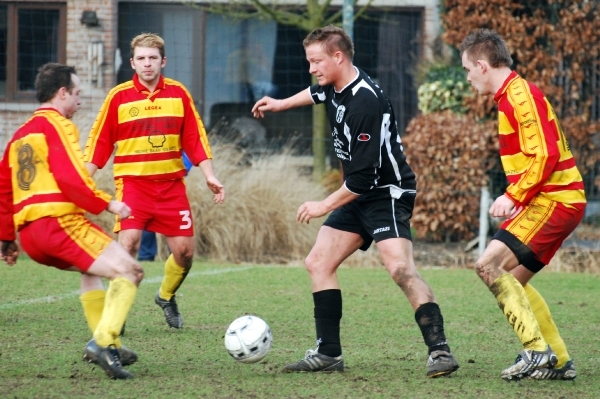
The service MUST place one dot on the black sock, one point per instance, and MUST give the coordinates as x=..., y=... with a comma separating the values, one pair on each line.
x=328, y=313
x=430, y=321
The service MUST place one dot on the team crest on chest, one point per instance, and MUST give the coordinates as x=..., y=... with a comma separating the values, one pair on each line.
x=339, y=115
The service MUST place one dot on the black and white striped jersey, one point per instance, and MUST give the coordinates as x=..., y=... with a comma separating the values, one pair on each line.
x=365, y=137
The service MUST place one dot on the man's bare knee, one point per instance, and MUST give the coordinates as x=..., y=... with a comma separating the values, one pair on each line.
x=316, y=267
x=487, y=272
x=184, y=259
x=313, y=264
x=401, y=273
x=135, y=273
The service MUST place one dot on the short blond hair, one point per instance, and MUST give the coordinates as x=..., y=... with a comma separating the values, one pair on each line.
x=332, y=39
x=151, y=40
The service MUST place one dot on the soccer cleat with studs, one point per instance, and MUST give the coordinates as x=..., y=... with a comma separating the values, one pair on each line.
x=107, y=358
x=315, y=361
x=567, y=372
x=441, y=363
x=172, y=315
x=126, y=355
x=527, y=362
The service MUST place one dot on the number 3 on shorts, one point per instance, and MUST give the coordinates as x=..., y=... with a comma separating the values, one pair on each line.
x=186, y=220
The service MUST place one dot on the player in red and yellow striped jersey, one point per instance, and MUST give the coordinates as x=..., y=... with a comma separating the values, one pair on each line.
x=150, y=120
x=543, y=204
x=45, y=189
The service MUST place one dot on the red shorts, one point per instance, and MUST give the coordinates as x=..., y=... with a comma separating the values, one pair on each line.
x=158, y=206
x=64, y=241
x=540, y=227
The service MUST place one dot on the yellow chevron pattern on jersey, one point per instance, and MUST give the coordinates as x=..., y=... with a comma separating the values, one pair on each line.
x=79, y=229
x=143, y=109
x=532, y=137
x=533, y=218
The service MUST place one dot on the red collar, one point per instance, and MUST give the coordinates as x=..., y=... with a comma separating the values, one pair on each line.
x=513, y=75
x=141, y=88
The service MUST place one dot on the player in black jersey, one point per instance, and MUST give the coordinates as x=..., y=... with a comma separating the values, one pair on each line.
x=374, y=203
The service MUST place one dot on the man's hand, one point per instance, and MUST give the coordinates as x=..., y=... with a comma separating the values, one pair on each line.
x=265, y=104
x=217, y=188
x=502, y=208
x=310, y=210
x=9, y=251
x=121, y=209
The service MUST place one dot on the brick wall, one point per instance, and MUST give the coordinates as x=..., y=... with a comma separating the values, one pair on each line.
x=79, y=36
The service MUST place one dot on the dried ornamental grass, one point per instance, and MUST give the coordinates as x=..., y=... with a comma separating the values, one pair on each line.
x=257, y=223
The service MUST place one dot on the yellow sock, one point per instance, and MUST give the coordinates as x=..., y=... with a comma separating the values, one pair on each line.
x=93, y=305
x=513, y=302
x=547, y=327
x=174, y=276
x=119, y=298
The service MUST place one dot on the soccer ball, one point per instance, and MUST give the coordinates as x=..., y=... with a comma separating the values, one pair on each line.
x=248, y=339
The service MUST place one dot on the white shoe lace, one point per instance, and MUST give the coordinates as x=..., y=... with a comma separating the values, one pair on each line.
x=311, y=352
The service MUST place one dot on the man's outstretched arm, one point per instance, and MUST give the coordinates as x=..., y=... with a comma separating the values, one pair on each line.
x=270, y=104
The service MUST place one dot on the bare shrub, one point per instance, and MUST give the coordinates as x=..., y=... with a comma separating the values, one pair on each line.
x=554, y=45
x=450, y=155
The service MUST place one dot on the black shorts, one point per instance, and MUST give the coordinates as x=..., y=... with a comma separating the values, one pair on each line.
x=375, y=217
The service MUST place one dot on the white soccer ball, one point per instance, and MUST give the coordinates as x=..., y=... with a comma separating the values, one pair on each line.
x=248, y=339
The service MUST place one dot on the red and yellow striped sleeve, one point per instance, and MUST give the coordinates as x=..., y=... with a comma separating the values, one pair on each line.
x=534, y=152
x=104, y=134
x=194, y=139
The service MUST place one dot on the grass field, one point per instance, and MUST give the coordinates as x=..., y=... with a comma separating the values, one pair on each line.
x=42, y=334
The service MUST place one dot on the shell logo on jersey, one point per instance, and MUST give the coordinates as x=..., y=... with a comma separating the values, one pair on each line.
x=363, y=137
x=157, y=139
x=339, y=116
